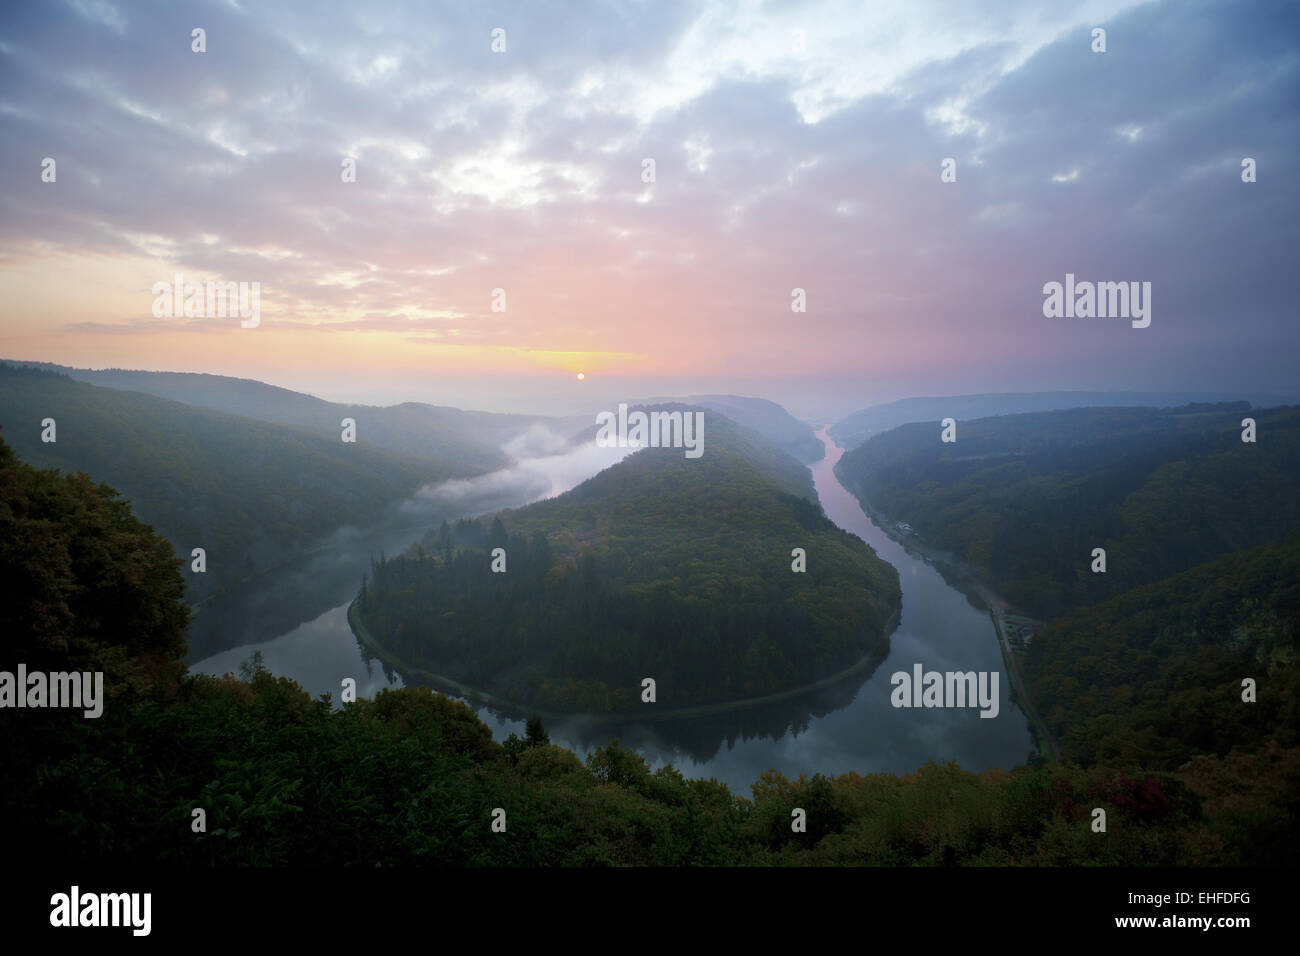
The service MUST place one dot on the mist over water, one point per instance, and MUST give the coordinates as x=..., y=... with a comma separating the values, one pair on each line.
x=546, y=465
x=849, y=727
x=296, y=613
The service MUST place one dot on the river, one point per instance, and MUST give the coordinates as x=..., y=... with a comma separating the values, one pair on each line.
x=850, y=727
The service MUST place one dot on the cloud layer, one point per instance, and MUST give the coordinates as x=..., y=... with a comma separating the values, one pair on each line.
x=794, y=145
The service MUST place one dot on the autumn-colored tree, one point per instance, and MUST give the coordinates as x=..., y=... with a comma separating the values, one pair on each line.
x=90, y=587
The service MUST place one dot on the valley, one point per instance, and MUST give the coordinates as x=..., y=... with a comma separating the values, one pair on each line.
x=848, y=725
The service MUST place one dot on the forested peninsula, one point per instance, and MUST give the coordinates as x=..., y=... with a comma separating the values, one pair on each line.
x=718, y=578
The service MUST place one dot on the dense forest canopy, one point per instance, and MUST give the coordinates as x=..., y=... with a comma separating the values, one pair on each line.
x=245, y=491
x=1154, y=677
x=1024, y=499
x=88, y=586
x=852, y=430
x=412, y=778
x=1148, y=665
x=471, y=441
x=664, y=567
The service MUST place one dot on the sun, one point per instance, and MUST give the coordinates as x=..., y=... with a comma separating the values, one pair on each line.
x=581, y=376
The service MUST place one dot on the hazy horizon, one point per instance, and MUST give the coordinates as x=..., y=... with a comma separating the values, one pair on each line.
x=601, y=396
x=794, y=147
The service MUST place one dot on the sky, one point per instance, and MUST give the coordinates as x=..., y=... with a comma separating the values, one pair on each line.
x=795, y=146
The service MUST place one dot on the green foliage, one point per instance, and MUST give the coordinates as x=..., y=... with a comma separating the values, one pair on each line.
x=1153, y=677
x=411, y=777
x=661, y=567
x=285, y=780
x=438, y=436
x=535, y=732
x=88, y=587
x=1202, y=587
x=248, y=492
x=1024, y=499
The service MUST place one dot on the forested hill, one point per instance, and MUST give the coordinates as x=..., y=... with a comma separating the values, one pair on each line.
x=853, y=430
x=248, y=492
x=1154, y=677
x=769, y=419
x=661, y=566
x=411, y=778
x=414, y=430
x=1024, y=499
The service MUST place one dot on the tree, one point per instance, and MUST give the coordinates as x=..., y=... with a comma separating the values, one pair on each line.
x=88, y=586
x=535, y=732
x=513, y=747
x=613, y=764
x=250, y=668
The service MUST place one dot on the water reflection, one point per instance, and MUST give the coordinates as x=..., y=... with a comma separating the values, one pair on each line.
x=850, y=726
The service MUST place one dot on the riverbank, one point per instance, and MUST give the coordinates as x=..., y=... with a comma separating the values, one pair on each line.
x=1043, y=738
x=849, y=726
x=962, y=578
x=517, y=710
